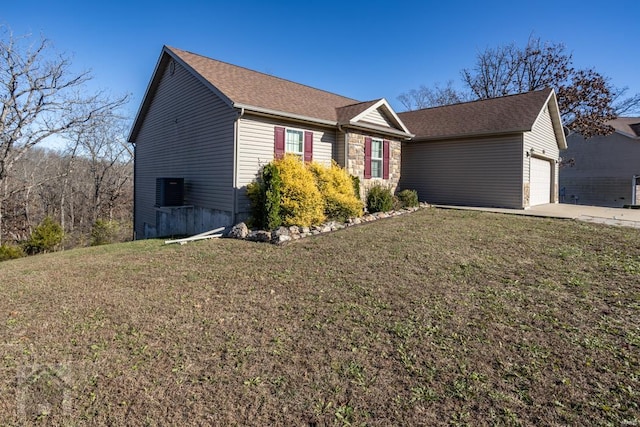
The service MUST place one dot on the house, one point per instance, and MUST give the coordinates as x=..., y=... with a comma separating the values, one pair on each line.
x=205, y=128
x=603, y=170
x=500, y=152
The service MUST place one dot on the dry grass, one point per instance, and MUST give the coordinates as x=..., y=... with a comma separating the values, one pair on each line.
x=433, y=318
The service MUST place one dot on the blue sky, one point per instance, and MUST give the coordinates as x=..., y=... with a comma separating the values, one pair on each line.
x=361, y=49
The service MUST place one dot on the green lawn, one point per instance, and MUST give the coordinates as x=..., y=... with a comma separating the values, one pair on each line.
x=437, y=317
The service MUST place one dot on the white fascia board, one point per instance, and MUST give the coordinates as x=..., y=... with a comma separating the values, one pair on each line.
x=379, y=129
x=382, y=103
x=556, y=120
x=285, y=115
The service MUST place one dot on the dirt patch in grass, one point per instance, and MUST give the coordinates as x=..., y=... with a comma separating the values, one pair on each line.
x=433, y=318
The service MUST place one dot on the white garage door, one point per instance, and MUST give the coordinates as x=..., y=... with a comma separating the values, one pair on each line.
x=540, y=182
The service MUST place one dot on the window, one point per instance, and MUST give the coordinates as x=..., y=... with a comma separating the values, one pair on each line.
x=376, y=158
x=294, y=142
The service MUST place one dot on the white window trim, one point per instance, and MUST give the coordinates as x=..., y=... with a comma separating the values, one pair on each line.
x=381, y=158
x=286, y=147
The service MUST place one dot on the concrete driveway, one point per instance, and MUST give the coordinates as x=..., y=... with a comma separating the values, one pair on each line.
x=611, y=216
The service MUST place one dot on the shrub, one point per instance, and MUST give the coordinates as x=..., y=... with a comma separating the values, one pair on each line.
x=265, y=195
x=46, y=237
x=8, y=252
x=408, y=198
x=301, y=201
x=379, y=199
x=356, y=185
x=104, y=232
x=336, y=187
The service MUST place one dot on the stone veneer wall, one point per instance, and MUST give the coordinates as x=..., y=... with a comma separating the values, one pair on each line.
x=355, y=162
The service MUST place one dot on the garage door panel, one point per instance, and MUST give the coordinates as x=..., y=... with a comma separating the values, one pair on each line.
x=540, y=182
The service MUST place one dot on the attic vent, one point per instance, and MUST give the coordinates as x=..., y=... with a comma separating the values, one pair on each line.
x=169, y=191
x=172, y=67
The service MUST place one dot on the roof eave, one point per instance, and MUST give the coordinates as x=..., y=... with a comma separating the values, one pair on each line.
x=380, y=129
x=146, y=99
x=283, y=114
x=470, y=135
x=626, y=134
x=556, y=120
x=166, y=55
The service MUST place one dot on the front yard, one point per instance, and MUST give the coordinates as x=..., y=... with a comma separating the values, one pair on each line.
x=437, y=317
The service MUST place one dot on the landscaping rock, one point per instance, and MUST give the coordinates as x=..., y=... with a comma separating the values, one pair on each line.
x=280, y=235
x=286, y=234
x=259, y=236
x=239, y=231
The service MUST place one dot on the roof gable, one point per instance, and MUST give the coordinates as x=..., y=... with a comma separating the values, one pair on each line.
x=376, y=114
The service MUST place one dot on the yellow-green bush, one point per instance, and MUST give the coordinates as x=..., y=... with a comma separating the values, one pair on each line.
x=8, y=252
x=46, y=237
x=338, y=192
x=301, y=202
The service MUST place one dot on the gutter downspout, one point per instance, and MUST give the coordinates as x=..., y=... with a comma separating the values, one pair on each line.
x=634, y=187
x=236, y=126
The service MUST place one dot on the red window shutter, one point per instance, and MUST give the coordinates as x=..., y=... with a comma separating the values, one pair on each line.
x=367, y=158
x=308, y=146
x=385, y=160
x=278, y=146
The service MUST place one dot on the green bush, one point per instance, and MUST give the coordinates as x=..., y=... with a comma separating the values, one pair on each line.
x=408, y=198
x=265, y=195
x=379, y=199
x=356, y=185
x=45, y=238
x=336, y=187
x=104, y=232
x=8, y=252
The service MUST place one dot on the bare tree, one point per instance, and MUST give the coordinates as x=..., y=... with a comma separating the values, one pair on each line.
x=425, y=97
x=585, y=97
x=108, y=156
x=626, y=106
x=40, y=97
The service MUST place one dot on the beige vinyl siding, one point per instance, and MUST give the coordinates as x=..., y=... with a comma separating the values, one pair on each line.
x=602, y=170
x=256, y=145
x=187, y=132
x=543, y=141
x=377, y=118
x=472, y=172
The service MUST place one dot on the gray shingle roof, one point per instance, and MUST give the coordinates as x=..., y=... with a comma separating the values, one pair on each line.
x=348, y=112
x=629, y=126
x=514, y=113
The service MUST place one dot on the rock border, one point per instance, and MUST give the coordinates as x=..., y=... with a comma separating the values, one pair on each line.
x=283, y=234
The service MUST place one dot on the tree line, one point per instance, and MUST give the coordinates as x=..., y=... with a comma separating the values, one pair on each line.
x=88, y=182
